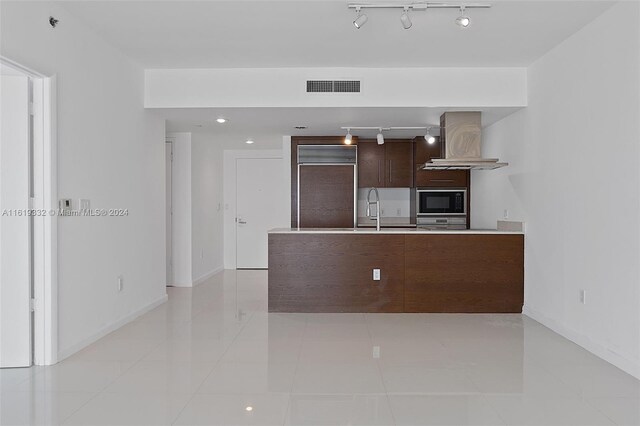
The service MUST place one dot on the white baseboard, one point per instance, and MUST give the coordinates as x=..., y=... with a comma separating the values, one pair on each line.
x=208, y=275
x=627, y=365
x=64, y=353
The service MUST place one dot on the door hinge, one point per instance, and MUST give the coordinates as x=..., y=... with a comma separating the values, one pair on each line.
x=32, y=305
x=31, y=108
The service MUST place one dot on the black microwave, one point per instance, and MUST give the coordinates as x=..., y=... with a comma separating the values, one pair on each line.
x=441, y=201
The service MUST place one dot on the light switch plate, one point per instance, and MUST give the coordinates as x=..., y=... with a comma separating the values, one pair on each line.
x=65, y=204
x=376, y=274
x=85, y=204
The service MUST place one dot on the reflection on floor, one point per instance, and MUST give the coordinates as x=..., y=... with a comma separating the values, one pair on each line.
x=213, y=356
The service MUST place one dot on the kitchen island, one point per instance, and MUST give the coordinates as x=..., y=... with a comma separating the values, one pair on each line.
x=420, y=270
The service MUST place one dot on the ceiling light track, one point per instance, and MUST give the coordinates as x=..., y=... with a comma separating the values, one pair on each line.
x=380, y=137
x=418, y=6
x=463, y=20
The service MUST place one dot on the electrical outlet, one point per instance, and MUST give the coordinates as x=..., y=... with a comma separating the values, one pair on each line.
x=120, y=283
x=505, y=214
x=399, y=212
x=376, y=274
x=376, y=352
x=583, y=297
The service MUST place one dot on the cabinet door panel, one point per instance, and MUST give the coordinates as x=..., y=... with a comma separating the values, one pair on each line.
x=441, y=178
x=399, y=164
x=327, y=196
x=371, y=169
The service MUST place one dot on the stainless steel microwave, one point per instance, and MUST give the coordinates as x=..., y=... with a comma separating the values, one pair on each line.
x=441, y=202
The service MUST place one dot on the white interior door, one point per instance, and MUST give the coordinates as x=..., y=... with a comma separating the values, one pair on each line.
x=169, y=212
x=15, y=234
x=260, y=206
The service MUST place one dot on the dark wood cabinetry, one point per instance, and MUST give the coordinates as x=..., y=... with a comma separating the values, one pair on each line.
x=318, y=217
x=385, y=166
x=442, y=178
x=425, y=152
x=371, y=170
x=318, y=272
x=399, y=162
x=326, y=196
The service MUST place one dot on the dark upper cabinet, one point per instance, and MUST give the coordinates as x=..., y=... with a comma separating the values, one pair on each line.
x=436, y=178
x=426, y=152
x=399, y=162
x=385, y=166
x=371, y=165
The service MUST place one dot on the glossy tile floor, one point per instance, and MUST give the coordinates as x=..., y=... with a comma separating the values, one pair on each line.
x=212, y=352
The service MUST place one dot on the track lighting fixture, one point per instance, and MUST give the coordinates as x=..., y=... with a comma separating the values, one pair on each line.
x=463, y=21
x=348, y=137
x=380, y=137
x=429, y=137
x=405, y=19
x=360, y=20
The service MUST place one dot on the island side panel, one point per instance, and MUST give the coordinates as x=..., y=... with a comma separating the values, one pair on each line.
x=464, y=273
x=334, y=273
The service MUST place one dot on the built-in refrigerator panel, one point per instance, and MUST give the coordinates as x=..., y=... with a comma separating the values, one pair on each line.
x=327, y=186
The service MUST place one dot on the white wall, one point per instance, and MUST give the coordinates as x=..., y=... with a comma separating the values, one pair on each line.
x=381, y=87
x=574, y=178
x=181, y=198
x=111, y=151
x=15, y=291
x=207, y=214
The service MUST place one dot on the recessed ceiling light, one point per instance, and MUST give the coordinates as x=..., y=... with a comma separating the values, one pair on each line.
x=248, y=408
x=249, y=141
x=221, y=120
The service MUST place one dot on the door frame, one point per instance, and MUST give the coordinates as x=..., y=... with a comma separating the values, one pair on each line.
x=45, y=227
x=230, y=199
x=169, y=201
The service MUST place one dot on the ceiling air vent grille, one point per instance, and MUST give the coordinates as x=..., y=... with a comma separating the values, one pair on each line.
x=333, y=86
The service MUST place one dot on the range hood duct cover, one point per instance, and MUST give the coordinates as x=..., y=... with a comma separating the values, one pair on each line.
x=462, y=136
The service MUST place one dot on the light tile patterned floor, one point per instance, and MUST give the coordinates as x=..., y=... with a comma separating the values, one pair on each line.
x=212, y=351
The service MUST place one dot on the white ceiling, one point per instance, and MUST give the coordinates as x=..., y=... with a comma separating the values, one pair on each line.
x=267, y=125
x=222, y=34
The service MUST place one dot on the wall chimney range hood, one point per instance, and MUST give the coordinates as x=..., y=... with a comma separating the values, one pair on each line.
x=461, y=137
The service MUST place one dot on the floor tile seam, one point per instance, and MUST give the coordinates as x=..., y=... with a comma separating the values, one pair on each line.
x=295, y=370
x=493, y=409
x=598, y=410
x=197, y=390
x=379, y=367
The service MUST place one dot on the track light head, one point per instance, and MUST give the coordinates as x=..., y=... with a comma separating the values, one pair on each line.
x=380, y=138
x=429, y=137
x=463, y=21
x=348, y=138
x=405, y=19
x=360, y=20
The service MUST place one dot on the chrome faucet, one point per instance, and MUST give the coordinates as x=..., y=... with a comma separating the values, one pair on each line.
x=377, y=204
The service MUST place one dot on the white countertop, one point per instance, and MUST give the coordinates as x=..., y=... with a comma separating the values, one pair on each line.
x=389, y=231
